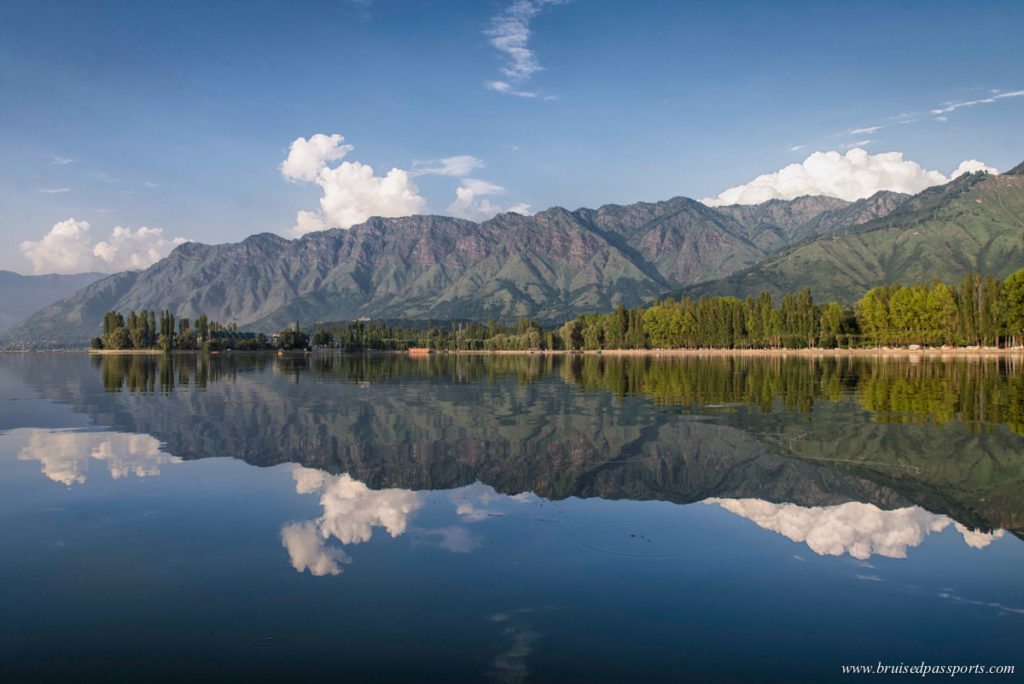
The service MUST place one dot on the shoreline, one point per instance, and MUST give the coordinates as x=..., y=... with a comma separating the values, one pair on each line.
x=898, y=352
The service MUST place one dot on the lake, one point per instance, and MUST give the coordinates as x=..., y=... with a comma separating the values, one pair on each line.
x=507, y=518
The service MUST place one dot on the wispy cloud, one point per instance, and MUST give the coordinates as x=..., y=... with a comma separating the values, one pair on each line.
x=461, y=165
x=857, y=143
x=507, y=89
x=472, y=204
x=947, y=107
x=1002, y=608
x=509, y=33
x=796, y=148
x=936, y=114
x=54, y=191
x=61, y=161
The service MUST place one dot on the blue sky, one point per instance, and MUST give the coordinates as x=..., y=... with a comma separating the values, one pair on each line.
x=178, y=116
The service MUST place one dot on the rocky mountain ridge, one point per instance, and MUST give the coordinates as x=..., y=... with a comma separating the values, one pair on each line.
x=550, y=266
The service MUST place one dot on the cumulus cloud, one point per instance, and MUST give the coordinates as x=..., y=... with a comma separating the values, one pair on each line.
x=352, y=193
x=449, y=166
x=68, y=248
x=65, y=455
x=851, y=176
x=351, y=511
x=859, y=529
x=471, y=201
x=970, y=166
x=509, y=33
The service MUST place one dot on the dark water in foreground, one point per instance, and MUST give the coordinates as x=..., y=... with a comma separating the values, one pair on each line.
x=508, y=519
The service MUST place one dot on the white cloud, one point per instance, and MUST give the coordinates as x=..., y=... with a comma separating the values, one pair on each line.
x=53, y=191
x=851, y=176
x=971, y=166
x=471, y=202
x=867, y=130
x=796, y=148
x=61, y=161
x=509, y=33
x=306, y=158
x=859, y=529
x=953, y=106
x=351, y=191
x=507, y=89
x=449, y=166
x=65, y=455
x=307, y=222
x=68, y=248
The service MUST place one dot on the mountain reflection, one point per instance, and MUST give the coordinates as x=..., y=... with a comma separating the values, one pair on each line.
x=65, y=455
x=815, y=432
x=859, y=529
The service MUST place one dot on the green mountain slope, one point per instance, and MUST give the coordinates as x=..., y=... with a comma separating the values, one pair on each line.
x=973, y=224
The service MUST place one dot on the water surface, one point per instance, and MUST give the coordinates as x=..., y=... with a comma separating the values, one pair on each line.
x=511, y=518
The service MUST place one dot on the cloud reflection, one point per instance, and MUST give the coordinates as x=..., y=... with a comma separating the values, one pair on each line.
x=351, y=511
x=66, y=454
x=859, y=529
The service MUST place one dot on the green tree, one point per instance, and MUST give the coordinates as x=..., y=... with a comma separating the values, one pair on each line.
x=1013, y=306
x=570, y=334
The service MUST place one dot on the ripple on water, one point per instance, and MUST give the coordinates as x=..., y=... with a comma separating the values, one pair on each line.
x=640, y=538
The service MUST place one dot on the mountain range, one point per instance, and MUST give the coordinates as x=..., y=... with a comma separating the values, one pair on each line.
x=557, y=264
x=23, y=295
x=974, y=224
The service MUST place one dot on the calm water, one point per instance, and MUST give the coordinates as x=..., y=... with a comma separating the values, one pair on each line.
x=510, y=518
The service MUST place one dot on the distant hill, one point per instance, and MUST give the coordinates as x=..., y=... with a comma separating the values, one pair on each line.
x=551, y=266
x=23, y=295
x=972, y=224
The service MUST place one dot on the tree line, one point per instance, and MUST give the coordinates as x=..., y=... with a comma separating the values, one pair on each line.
x=145, y=330
x=979, y=311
